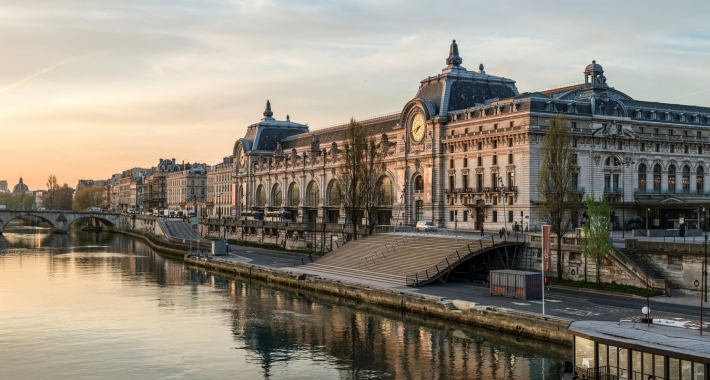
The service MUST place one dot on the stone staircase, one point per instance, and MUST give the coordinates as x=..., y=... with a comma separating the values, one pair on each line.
x=178, y=229
x=654, y=274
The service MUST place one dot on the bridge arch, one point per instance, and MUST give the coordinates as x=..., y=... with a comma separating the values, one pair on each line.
x=59, y=221
x=9, y=217
x=107, y=223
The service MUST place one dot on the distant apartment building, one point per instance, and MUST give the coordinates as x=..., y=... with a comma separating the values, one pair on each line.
x=3, y=186
x=219, y=189
x=187, y=188
x=113, y=188
x=131, y=189
x=155, y=188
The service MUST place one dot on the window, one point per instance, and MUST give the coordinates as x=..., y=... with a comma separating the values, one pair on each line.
x=510, y=216
x=465, y=216
x=511, y=180
x=511, y=124
x=700, y=149
x=603, y=144
x=685, y=133
x=671, y=178
x=642, y=177
x=465, y=181
x=495, y=127
x=451, y=164
x=494, y=181
x=495, y=216
x=672, y=148
x=619, y=145
x=453, y=133
x=419, y=210
x=574, y=124
x=658, y=147
x=451, y=216
x=697, y=134
x=451, y=149
x=510, y=142
x=510, y=158
x=574, y=142
x=657, y=177
x=655, y=131
x=670, y=132
x=495, y=144
x=451, y=182
x=640, y=129
x=495, y=160
x=465, y=147
x=643, y=147
x=686, y=178
x=465, y=131
x=584, y=353
x=465, y=162
x=419, y=184
x=479, y=161
x=685, y=149
x=479, y=145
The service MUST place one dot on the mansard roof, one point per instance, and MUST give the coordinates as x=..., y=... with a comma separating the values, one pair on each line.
x=378, y=125
x=266, y=134
x=457, y=88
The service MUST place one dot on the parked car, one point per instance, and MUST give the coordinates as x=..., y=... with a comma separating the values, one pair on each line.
x=426, y=226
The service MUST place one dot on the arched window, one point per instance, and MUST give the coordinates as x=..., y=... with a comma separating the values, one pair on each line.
x=260, y=196
x=657, y=178
x=642, y=177
x=419, y=184
x=276, y=196
x=334, y=193
x=312, y=194
x=686, y=179
x=294, y=195
x=611, y=161
x=671, y=179
x=419, y=210
x=385, y=191
x=699, y=176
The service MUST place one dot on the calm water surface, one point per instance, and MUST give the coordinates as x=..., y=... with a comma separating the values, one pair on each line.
x=104, y=306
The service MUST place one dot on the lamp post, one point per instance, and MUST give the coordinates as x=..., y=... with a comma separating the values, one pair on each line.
x=501, y=191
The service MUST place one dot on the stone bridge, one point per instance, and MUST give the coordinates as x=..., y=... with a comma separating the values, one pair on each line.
x=60, y=220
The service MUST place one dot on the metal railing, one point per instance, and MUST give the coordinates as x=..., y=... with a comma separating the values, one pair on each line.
x=449, y=261
x=613, y=190
x=615, y=373
x=672, y=191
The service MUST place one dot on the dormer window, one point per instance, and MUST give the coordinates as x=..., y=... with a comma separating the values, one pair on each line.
x=639, y=114
x=654, y=115
x=696, y=118
x=669, y=116
x=681, y=117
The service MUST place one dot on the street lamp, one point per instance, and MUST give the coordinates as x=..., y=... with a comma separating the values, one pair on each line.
x=501, y=191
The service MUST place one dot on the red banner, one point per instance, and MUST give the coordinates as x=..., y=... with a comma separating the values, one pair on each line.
x=546, y=257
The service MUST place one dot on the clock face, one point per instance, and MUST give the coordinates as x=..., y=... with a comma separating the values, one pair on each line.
x=418, y=127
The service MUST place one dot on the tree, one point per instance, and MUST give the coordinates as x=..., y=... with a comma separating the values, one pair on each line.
x=18, y=201
x=354, y=147
x=52, y=186
x=372, y=168
x=92, y=196
x=556, y=183
x=595, y=234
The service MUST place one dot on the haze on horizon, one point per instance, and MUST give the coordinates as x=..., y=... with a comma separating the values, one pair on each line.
x=90, y=88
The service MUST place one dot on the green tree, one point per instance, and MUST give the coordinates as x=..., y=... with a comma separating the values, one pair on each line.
x=92, y=196
x=18, y=201
x=595, y=233
x=555, y=183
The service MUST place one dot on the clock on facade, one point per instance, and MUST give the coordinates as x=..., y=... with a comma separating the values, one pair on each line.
x=418, y=127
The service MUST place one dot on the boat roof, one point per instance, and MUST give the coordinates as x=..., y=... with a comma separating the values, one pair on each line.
x=660, y=338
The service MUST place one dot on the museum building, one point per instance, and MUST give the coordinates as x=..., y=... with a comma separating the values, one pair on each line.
x=464, y=153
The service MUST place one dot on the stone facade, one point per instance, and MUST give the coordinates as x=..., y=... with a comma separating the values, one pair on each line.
x=473, y=161
x=219, y=189
x=187, y=188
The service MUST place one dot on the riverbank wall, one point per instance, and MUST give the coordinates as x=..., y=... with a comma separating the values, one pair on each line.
x=505, y=320
x=501, y=319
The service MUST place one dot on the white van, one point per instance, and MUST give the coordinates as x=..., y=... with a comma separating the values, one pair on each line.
x=95, y=209
x=425, y=226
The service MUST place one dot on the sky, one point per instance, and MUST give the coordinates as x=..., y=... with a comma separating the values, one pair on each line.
x=89, y=88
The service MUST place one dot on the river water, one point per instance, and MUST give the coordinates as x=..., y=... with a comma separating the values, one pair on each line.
x=105, y=306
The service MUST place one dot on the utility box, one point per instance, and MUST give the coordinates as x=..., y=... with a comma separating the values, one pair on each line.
x=516, y=284
x=219, y=247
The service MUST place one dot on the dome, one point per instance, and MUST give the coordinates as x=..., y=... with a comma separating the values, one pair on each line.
x=594, y=67
x=20, y=188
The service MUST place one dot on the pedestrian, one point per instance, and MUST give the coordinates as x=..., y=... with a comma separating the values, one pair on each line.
x=481, y=229
x=500, y=233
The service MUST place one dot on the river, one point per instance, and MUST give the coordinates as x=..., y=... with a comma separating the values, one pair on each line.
x=105, y=306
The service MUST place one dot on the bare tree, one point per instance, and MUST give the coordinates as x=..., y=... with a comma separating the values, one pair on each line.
x=555, y=183
x=92, y=196
x=372, y=168
x=595, y=233
x=354, y=147
x=49, y=198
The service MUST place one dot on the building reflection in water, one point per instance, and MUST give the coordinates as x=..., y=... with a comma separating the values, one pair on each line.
x=276, y=324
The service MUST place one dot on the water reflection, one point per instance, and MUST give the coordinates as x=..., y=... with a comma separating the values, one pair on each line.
x=191, y=321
